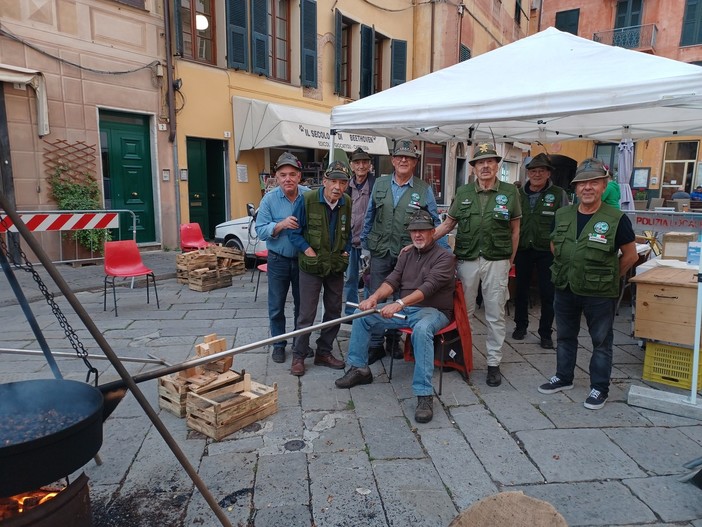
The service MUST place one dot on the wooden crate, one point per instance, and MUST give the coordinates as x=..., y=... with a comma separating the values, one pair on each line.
x=221, y=412
x=173, y=389
x=666, y=301
x=208, y=279
x=212, y=345
x=675, y=244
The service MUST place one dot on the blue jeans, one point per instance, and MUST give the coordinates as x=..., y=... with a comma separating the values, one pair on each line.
x=599, y=315
x=352, y=278
x=282, y=274
x=380, y=268
x=424, y=321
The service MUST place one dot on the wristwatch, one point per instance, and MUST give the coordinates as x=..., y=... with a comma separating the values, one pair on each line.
x=399, y=301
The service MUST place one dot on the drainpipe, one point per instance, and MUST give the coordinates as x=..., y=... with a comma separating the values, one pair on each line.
x=461, y=8
x=170, y=99
x=431, y=44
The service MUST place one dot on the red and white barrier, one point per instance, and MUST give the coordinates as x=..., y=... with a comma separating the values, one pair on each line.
x=63, y=221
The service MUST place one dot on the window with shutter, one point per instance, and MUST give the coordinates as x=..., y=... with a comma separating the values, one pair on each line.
x=237, y=35
x=338, y=48
x=367, y=45
x=259, y=37
x=568, y=21
x=463, y=53
x=279, y=40
x=398, y=62
x=692, y=23
x=308, y=35
x=195, y=24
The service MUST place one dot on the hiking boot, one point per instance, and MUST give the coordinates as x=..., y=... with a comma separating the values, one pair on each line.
x=547, y=343
x=595, y=400
x=424, y=412
x=519, y=334
x=298, y=366
x=328, y=360
x=278, y=355
x=355, y=376
x=554, y=385
x=375, y=353
x=494, y=377
x=392, y=347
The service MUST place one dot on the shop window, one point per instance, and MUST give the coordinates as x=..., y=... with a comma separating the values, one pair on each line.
x=679, y=161
x=196, y=36
x=433, y=169
x=568, y=21
x=692, y=23
x=608, y=153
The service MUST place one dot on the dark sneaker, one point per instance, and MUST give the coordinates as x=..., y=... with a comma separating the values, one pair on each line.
x=298, y=367
x=519, y=334
x=494, y=377
x=554, y=385
x=425, y=411
x=310, y=353
x=278, y=355
x=328, y=360
x=595, y=400
x=547, y=343
x=355, y=376
x=375, y=353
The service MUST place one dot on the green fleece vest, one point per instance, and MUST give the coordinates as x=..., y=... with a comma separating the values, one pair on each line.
x=389, y=233
x=589, y=264
x=484, y=232
x=536, y=225
x=329, y=257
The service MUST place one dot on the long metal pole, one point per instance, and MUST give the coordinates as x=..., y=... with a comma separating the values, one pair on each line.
x=34, y=353
x=112, y=356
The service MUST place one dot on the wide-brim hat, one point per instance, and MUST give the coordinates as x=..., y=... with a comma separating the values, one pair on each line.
x=337, y=170
x=589, y=169
x=287, y=158
x=360, y=155
x=405, y=148
x=484, y=151
x=421, y=221
x=540, y=161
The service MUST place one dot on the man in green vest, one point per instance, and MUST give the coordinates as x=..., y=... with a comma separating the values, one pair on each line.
x=487, y=214
x=540, y=199
x=395, y=198
x=587, y=271
x=323, y=241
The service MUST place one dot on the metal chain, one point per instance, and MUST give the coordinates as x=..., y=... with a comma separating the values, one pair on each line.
x=68, y=330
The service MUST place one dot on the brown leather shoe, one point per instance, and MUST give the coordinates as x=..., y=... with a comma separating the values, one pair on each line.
x=328, y=360
x=298, y=367
x=355, y=376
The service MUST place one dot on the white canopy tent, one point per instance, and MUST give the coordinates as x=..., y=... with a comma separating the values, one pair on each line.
x=549, y=87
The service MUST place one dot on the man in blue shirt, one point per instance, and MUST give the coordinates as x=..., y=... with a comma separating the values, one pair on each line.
x=696, y=195
x=274, y=222
x=324, y=242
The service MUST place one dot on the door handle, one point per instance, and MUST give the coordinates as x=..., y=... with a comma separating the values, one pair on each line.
x=213, y=195
x=196, y=196
x=135, y=194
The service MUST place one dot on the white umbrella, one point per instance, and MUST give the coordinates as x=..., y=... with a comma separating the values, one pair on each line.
x=626, y=163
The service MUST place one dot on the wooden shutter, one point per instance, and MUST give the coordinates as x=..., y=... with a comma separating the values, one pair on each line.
x=259, y=37
x=308, y=44
x=398, y=62
x=338, y=50
x=367, y=41
x=178, y=27
x=237, y=35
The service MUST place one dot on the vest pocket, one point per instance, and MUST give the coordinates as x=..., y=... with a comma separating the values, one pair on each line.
x=310, y=264
x=598, y=253
x=598, y=279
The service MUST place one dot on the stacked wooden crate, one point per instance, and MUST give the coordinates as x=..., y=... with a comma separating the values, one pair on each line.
x=210, y=268
x=216, y=400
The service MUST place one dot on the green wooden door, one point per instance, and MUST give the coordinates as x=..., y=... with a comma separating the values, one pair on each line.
x=126, y=156
x=206, y=189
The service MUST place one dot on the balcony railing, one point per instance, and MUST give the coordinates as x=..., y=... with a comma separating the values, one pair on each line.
x=632, y=37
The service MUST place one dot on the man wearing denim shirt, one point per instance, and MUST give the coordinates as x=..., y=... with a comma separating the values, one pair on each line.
x=274, y=222
x=395, y=198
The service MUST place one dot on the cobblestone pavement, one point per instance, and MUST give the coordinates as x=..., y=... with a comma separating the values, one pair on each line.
x=332, y=457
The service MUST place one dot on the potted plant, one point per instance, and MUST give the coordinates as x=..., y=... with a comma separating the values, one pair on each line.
x=79, y=193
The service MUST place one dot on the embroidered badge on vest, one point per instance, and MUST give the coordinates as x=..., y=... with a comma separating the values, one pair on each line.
x=601, y=227
x=501, y=199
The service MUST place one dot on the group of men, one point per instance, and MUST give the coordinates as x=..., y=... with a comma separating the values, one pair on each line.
x=314, y=237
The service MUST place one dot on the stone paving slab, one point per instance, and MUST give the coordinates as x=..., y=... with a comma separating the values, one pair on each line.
x=577, y=455
x=515, y=413
x=670, y=499
x=500, y=455
x=593, y=503
x=412, y=493
x=390, y=438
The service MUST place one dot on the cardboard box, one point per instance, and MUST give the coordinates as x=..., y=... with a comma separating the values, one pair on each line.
x=675, y=244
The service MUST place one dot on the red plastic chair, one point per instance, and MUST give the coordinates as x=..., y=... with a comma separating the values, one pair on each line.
x=122, y=258
x=262, y=268
x=460, y=322
x=260, y=256
x=191, y=238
